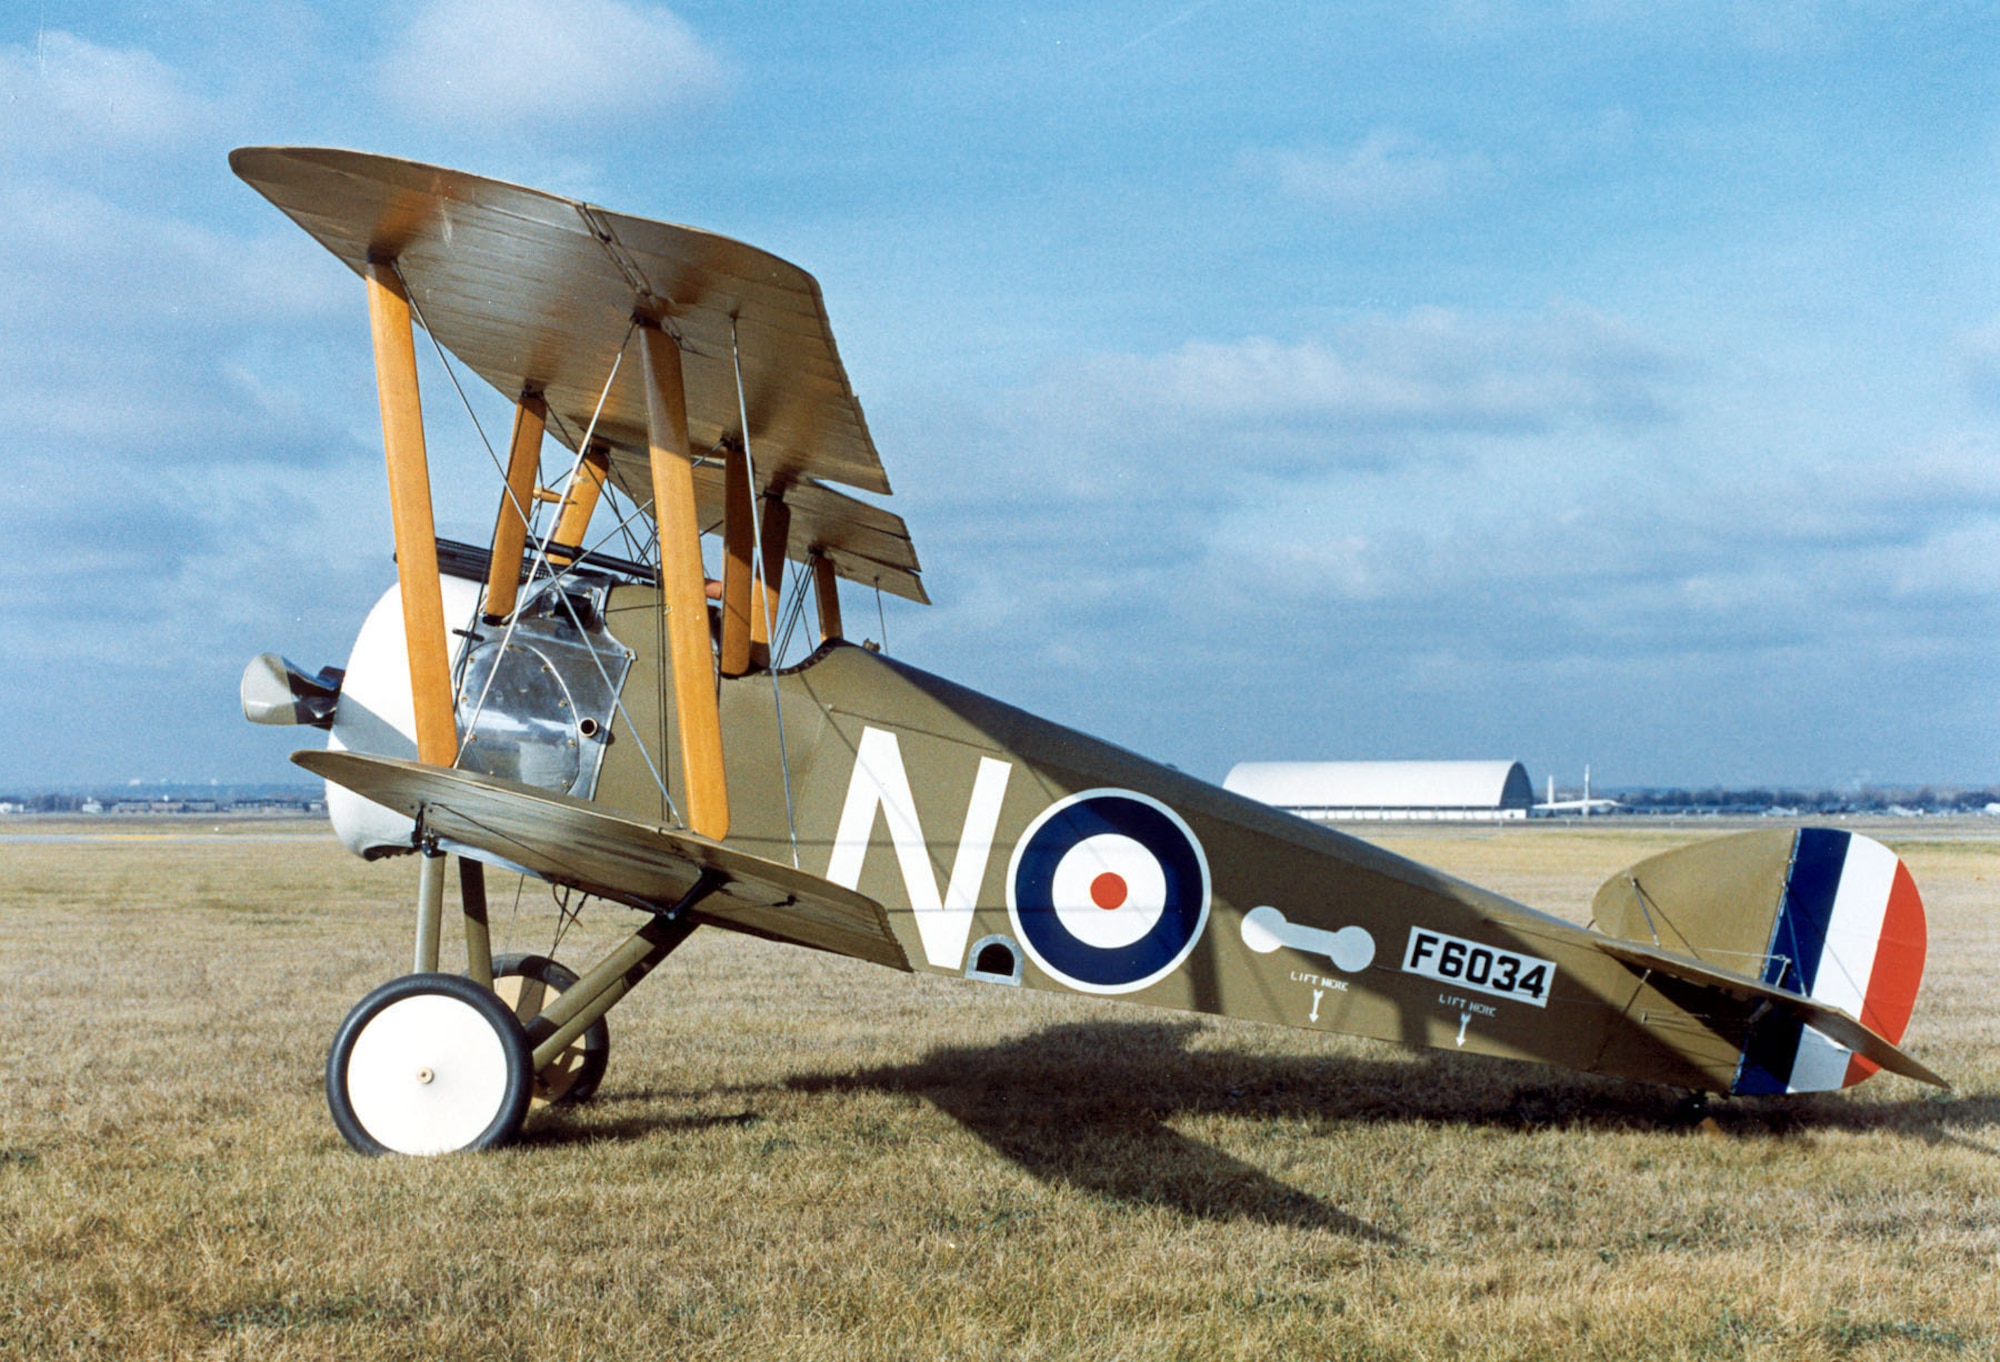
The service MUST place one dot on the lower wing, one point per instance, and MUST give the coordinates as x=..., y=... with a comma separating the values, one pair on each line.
x=569, y=841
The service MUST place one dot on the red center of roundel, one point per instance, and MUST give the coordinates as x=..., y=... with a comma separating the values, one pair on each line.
x=1108, y=890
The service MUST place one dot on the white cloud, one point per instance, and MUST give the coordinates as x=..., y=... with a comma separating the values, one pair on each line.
x=62, y=93
x=1430, y=369
x=1386, y=173
x=159, y=362
x=522, y=66
x=1565, y=511
x=1279, y=483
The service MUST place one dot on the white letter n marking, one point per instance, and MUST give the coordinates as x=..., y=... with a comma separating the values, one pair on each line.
x=880, y=781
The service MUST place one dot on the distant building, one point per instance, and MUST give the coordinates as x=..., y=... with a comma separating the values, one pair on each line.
x=1336, y=791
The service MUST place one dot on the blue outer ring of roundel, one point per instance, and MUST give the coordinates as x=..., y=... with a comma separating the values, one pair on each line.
x=1031, y=876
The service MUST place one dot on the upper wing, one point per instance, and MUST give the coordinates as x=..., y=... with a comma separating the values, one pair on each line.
x=537, y=292
x=572, y=842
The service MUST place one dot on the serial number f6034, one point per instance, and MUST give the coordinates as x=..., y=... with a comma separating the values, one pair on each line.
x=1488, y=969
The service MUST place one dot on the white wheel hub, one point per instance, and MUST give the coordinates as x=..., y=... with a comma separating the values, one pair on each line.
x=427, y=1075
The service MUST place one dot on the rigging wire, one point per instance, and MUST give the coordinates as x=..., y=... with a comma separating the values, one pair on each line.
x=640, y=553
x=590, y=433
x=540, y=562
x=507, y=938
x=763, y=594
x=566, y=915
x=795, y=607
x=541, y=557
x=632, y=545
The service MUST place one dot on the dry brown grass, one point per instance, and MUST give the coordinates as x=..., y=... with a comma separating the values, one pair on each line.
x=796, y=1156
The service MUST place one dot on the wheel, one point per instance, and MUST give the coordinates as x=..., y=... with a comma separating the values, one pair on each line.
x=427, y=1064
x=528, y=983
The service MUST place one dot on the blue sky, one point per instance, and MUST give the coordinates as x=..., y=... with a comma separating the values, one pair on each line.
x=1603, y=382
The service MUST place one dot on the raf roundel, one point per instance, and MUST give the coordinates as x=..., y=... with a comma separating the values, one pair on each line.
x=1108, y=891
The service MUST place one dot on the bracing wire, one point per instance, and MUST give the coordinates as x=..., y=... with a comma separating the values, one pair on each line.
x=763, y=594
x=507, y=939
x=795, y=609
x=479, y=430
x=540, y=563
x=583, y=446
x=638, y=551
x=567, y=915
x=632, y=545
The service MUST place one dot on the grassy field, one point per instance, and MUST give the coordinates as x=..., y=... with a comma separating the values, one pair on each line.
x=800, y=1157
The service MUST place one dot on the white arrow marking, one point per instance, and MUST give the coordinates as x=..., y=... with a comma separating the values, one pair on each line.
x=1265, y=929
x=1464, y=1020
x=1318, y=993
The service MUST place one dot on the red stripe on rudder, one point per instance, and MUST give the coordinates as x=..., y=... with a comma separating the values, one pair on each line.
x=1899, y=969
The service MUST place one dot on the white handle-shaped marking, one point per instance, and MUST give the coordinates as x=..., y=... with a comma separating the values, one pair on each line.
x=1265, y=929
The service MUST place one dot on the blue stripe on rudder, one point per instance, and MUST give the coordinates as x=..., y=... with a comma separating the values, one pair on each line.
x=1807, y=910
x=1768, y=1054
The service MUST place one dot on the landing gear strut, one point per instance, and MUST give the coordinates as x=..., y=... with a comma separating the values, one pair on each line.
x=529, y=983
x=432, y=1063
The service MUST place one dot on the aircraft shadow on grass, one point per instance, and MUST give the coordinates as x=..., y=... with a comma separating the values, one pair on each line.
x=1087, y=1105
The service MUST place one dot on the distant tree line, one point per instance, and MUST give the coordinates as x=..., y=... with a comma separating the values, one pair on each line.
x=175, y=799
x=46, y=803
x=1758, y=799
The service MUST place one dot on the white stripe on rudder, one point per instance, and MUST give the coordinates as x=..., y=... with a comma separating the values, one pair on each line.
x=1854, y=928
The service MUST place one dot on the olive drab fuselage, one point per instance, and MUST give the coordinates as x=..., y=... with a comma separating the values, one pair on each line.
x=925, y=795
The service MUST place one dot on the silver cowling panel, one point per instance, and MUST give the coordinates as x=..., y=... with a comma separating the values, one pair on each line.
x=537, y=702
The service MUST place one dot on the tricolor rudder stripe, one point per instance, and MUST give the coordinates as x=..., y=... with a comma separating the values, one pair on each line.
x=1849, y=933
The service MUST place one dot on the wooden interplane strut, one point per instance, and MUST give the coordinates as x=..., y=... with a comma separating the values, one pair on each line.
x=510, y=529
x=682, y=583
x=580, y=499
x=535, y=292
x=826, y=592
x=410, y=512
x=777, y=531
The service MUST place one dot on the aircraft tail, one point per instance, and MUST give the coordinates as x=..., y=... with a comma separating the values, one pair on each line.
x=1830, y=916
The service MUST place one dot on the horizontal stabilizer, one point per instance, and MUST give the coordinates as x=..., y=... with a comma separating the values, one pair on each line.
x=569, y=841
x=1830, y=1021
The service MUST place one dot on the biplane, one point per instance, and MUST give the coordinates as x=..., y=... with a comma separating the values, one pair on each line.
x=611, y=717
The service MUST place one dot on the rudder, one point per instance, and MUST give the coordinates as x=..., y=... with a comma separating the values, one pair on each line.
x=1831, y=915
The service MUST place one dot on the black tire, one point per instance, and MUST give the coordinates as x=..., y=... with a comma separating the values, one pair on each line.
x=454, y=1078
x=590, y=1054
